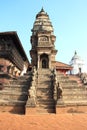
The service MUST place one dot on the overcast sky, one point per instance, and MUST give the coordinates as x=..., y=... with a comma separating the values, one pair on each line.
x=68, y=17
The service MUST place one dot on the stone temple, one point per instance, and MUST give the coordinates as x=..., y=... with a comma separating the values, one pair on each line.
x=78, y=64
x=41, y=86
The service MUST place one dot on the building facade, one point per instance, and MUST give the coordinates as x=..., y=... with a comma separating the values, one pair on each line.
x=78, y=64
x=13, y=59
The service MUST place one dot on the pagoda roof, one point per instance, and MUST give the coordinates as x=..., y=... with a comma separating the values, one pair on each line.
x=17, y=42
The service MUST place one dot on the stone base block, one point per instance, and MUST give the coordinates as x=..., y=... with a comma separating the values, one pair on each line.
x=13, y=109
x=71, y=109
x=31, y=111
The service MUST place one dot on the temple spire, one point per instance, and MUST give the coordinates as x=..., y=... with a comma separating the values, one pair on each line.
x=42, y=10
x=75, y=52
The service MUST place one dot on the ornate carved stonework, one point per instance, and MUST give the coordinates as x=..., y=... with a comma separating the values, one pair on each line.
x=42, y=41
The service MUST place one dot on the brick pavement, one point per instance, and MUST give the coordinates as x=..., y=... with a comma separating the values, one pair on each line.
x=43, y=122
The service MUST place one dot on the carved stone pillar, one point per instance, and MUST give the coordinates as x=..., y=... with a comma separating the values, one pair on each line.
x=38, y=61
x=9, y=69
x=12, y=70
x=50, y=61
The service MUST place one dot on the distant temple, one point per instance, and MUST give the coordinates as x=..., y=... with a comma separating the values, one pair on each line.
x=78, y=64
x=41, y=86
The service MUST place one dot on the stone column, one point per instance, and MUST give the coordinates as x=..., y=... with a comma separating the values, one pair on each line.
x=50, y=61
x=38, y=61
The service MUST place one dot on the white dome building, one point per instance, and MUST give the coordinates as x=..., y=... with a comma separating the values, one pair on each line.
x=78, y=65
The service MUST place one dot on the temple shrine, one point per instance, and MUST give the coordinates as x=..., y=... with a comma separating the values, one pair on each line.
x=42, y=85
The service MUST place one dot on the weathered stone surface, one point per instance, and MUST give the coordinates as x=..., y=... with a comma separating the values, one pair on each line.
x=15, y=92
x=72, y=94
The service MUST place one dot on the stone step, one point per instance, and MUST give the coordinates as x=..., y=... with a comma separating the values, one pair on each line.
x=43, y=71
x=24, y=76
x=44, y=79
x=48, y=74
x=60, y=75
x=62, y=78
x=74, y=92
x=15, y=85
x=5, y=102
x=45, y=88
x=46, y=105
x=69, y=84
x=45, y=111
x=45, y=101
x=44, y=74
x=74, y=97
x=72, y=89
x=68, y=81
x=19, y=89
x=47, y=91
x=19, y=81
x=42, y=86
x=45, y=96
x=75, y=102
x=8, y=96
x=12, y=92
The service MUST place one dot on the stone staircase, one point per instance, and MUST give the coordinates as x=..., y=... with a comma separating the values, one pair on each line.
x=76, y=78
x=15, y=93
x=44, y=92
x=73, y=94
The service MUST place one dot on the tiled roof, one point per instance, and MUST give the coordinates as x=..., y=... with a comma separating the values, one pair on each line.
x=61, y=65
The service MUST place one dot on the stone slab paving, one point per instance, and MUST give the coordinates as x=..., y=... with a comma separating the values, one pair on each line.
x=43, y=122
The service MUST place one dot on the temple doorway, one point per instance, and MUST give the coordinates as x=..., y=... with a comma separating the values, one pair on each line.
x=44, y=61
x=80, y=71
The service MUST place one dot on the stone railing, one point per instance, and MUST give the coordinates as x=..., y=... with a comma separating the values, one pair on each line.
x=83, y=77
x=32, y=91
x=54, y=84
x=57, y=94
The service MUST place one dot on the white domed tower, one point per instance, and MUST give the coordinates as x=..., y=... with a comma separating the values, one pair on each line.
x=77, y=63
x=42, y=41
